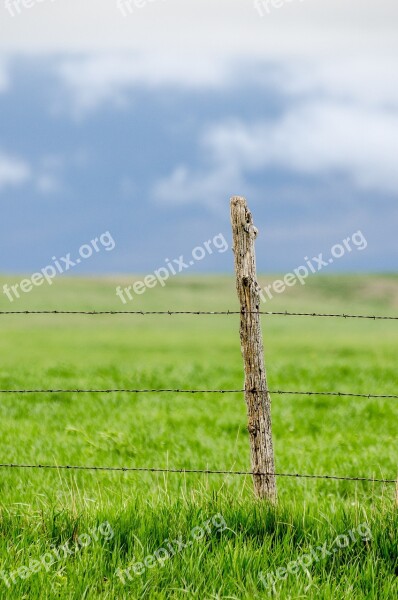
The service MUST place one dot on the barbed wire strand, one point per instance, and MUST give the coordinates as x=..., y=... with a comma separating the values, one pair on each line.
x=196, y=312
x=180, y=391
x=138, y=391
x=194, y=471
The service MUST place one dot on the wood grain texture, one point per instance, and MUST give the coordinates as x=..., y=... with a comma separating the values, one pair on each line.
x=257, y=397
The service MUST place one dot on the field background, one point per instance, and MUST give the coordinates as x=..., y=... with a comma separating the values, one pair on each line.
x=340, y=436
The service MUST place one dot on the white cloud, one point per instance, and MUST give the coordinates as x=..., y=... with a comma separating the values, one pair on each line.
x=13, y=171
x=202, y=43
x=335, y=58
x=96, y=79
x=16, y=172
x=207, y=187
x=317, y=138
x=313, y=139
x=367, y=80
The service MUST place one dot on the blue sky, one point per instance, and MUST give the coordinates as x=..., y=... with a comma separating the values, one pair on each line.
x=145, y=124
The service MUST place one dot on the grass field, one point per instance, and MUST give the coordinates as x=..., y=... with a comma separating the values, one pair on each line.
x=112, y=521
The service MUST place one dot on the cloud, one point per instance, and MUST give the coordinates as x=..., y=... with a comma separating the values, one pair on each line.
x=366, y=80
x=317, y=139
x=203, y=44
x=312, y=139
x=93, y=80
x=13, y=171
x=208, y=44
x=207, y=187
x=96, y=80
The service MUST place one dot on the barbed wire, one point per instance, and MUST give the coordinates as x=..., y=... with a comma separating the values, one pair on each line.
x=196, y=312
x=181, y=391
x=195, y=471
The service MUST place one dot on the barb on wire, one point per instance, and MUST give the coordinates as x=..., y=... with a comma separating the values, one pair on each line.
x=194, y=471
x=196, y=312
x=181, y=391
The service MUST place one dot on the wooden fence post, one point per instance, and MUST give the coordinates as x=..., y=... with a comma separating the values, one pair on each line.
x=257, y=397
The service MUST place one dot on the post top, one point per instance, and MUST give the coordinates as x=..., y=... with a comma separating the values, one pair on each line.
x=240, y=213
x=236, y=200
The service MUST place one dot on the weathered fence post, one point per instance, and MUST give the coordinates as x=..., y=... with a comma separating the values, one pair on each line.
x=257, y=397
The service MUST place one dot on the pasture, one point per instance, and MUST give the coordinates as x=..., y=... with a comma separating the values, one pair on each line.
x=45, y=509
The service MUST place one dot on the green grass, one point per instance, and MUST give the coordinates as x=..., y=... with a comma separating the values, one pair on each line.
x=341, y=436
